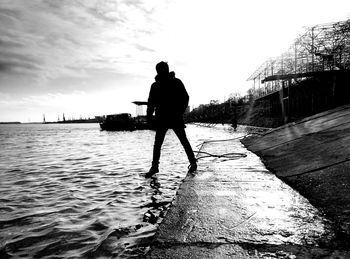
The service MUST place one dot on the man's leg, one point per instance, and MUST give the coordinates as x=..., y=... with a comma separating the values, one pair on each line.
x=181, y=134
x=158, y=141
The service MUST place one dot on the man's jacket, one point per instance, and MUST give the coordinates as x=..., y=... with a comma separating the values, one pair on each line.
x=169, y=99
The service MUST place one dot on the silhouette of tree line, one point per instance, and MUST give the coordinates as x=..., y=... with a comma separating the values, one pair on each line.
x=243, y=110
x=216, y=112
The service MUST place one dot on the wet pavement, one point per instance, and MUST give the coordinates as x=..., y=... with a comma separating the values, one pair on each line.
x=233, y=207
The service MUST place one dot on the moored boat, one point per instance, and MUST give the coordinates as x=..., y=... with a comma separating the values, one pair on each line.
x=124, y=121
x=118, y=122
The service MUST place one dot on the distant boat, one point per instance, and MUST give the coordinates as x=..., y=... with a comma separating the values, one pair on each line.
x=124, y=121
x=118, y=122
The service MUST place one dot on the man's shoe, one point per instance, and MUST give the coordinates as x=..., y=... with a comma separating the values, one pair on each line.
x=192, y=167
x=152, y=171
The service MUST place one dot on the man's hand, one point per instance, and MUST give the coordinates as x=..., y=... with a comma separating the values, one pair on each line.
x=149, y=119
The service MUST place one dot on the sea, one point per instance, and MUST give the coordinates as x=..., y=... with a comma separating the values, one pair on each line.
x=74, y=191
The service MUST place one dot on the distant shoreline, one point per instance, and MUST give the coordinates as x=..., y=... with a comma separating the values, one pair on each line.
x=68, y=122
x=53, y=122
x=72, y=121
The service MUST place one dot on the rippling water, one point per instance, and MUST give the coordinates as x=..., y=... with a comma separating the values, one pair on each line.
x=71, y=190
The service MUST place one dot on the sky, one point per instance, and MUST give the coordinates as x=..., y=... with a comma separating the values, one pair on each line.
x=94, y=57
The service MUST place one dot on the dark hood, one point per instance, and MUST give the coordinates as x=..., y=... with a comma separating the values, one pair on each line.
x=160, y=78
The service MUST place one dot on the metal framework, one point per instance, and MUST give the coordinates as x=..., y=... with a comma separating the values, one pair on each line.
x=324, y=47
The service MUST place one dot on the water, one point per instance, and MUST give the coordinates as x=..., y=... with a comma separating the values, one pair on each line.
x=73, y=191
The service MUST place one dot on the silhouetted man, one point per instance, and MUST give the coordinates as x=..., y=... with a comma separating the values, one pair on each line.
x=169, y=99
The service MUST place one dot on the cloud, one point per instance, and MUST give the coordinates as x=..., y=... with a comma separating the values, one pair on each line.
x=6, y=42
x=143, y=48
x=45, y=39
x=18, y=63
x=8, y=17
x=17, y=67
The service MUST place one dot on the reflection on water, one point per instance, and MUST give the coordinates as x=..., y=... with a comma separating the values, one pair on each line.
x=71, y=190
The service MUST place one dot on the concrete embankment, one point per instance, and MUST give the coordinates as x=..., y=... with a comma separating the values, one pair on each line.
x=233, y=207
x=313, y=156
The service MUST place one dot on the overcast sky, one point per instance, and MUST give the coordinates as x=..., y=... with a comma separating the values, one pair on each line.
x=94, y=57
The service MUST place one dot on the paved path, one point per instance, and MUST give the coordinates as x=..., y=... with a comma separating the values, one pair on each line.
x=236, y=208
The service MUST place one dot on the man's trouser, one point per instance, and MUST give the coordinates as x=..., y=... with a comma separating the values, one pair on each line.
x=181, y=134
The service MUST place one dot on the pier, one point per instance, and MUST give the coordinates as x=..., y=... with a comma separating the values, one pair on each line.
x=236, y=208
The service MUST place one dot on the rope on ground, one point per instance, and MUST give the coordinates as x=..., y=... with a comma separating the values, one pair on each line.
x=229, y=156
x=244, y=221
x=222, y=140
x=225, y=155
x=235, y=226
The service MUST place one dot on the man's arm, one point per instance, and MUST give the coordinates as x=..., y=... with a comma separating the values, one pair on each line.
x=184, y=96
x=150, y=104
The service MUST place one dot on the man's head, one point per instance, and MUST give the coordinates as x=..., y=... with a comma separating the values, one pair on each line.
x=162, y=68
